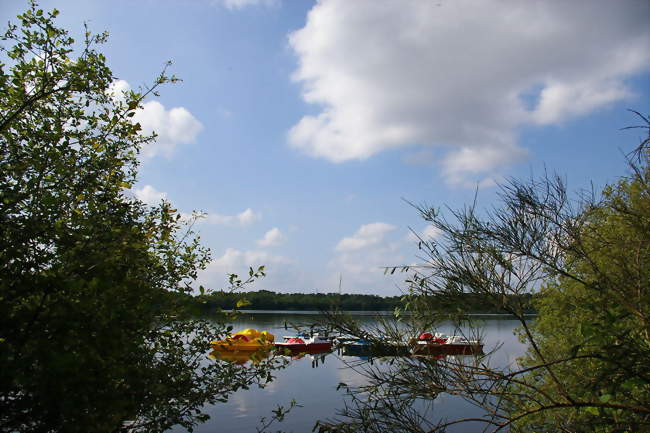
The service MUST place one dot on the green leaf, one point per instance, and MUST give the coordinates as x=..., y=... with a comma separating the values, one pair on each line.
x=605, y=398
x=243, y=303
x=592, y=410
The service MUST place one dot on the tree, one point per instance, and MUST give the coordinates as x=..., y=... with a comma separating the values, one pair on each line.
x=91, y=334
x=587, y=263
x=596, y=318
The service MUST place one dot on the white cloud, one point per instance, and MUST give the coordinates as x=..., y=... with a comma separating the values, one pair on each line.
x=367, y=235
x=272, y=238
x=460, y=74
x=248, y=217
x=173, y=127
x=149, y=195
x=361, y=259
x=117, y=89
x=430, y=232
x=234, y=259
x=476, y=160
x=282, y=273
x=427, y=234
x=559, y=101
x=240, y=4
x=244, y=218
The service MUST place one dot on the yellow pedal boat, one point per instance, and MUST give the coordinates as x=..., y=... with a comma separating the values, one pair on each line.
x=248, y=340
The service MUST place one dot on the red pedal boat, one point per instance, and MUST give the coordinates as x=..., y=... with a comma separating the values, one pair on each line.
x=440, y=344
x=303, y=344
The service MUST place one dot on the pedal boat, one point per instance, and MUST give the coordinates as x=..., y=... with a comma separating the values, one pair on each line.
x=302, y=344
x=248, y=340
x=440, y=344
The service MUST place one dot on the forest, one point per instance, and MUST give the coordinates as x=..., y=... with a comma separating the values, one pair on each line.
x=269, y=300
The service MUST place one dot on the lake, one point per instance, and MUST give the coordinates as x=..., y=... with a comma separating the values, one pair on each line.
x=312, y=380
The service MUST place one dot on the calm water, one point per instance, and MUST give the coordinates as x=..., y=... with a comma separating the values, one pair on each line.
x=312, y=381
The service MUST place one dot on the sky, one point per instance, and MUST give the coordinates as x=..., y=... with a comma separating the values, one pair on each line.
x=303, y=129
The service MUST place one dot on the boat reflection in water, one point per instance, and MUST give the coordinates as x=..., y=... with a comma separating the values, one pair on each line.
x=364, y=348
x=240, y=358
x=317, y=359
x=302, y=345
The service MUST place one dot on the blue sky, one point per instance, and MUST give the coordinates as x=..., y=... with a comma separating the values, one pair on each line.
x=300, y=127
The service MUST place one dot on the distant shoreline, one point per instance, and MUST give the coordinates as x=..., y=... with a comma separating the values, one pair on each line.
x=361, y=313
x=313, y=303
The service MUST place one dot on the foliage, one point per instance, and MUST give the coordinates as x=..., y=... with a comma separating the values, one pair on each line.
x=269, y=300
x=596, y=318
x=89, y=334
x=587, y=262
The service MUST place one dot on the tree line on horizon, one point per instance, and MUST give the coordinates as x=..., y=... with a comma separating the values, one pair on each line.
x=270, y=300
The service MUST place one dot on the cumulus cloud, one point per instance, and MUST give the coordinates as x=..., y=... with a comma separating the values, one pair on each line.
x=282, y=273
x=367, y=235
x=244, y=218
x=429, y=233
x=458, y=163
x=463, y=75
x=272, y=238
x=234, y=259
x=173, y=127
x=240, y=4
x=149, y=195
x=361, y=259
x=247, y=217
x=117, y=89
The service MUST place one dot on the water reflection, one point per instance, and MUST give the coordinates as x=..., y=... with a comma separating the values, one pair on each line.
x=317, y=358
x=312, y=378
x=240, y=358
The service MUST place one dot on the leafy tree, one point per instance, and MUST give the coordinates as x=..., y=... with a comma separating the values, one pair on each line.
x=593, y=322
x=90, y=336
x=587, y=262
